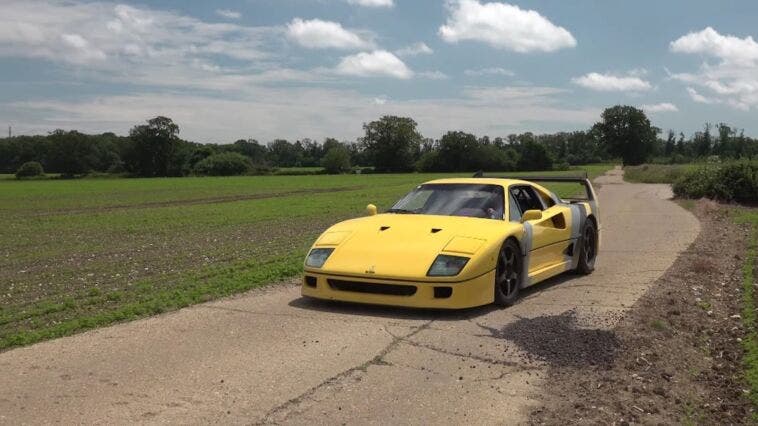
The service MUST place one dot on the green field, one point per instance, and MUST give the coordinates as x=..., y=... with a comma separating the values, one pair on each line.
x=76, y=254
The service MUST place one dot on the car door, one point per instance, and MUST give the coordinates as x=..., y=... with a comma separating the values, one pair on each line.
x=550, y=234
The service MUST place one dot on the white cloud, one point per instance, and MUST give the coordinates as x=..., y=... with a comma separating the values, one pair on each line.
x=228, y=14
x=120, y=38
x=732, y=80
x=697, y=97
x=504, y=26
x=414, y=49
x=709, y=42
x=432, y=75
x=318, y=34
x=268, y=113
x=372, y=3
x=612, y=83
x=373, y=64
x=661, y=107
x=489, y=71
x=520, y=94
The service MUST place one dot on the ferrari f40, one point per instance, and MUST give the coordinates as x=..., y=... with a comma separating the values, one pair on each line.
x=457, y=243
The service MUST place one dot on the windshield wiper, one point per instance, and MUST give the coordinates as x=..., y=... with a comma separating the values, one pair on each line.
x=401, y=211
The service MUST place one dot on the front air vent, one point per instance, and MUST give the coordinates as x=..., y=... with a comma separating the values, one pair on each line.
x=443, y=292
x=373, y=288
x=436, y=230
x=384, y=228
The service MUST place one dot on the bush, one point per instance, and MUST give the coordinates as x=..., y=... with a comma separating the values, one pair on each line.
x=733, y=181
x=336, y=160
x=224, y=164
x=30, y=169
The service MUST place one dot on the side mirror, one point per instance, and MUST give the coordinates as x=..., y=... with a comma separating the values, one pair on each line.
x=371, y=209
x=531, y=215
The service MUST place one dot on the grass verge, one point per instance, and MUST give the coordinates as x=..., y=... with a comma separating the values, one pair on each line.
x=150, y=299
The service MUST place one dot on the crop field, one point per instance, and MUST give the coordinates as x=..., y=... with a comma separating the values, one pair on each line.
x=76, y=254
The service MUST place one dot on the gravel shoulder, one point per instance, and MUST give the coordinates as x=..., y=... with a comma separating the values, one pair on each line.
x=676, y=356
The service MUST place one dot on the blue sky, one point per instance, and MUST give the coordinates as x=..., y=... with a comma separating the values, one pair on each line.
x=264, y=69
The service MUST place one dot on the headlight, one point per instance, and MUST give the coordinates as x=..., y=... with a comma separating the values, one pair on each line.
x=447, y=266
x=317, y=257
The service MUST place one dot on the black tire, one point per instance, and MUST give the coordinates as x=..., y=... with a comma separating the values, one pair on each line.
x=508, y=274
x=587, y=243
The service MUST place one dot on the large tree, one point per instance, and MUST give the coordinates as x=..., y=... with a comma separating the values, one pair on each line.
x=153, y=146
x=626, y=132
x=71, y=153
x=392, y=143
x=455, y=152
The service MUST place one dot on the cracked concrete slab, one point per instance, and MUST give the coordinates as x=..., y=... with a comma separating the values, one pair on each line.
x=271, y=357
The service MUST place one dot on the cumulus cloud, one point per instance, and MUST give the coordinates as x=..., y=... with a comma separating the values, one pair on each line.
x=228, y=14
x=414, y=49
x=661, y=107
x=489, y=71
x=612, y=83
x=379, y=63
x=732, y=79
x=503, y=26
x=372, y=3
x=318, y=34
x=725, y=47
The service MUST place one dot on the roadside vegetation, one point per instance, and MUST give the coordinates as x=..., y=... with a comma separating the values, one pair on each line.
x=750, y=342
x=77, y=254
x=734, y=181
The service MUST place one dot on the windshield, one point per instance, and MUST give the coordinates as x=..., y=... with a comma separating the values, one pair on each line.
x=453, y=199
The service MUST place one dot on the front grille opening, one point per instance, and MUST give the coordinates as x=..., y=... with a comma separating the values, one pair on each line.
x=310, y=281
x=442, y=292
x=373, y=288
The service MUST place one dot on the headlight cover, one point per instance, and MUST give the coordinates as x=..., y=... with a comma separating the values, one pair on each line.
x=317, y=257
x=447, y=266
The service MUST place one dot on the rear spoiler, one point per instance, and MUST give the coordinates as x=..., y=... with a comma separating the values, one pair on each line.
x=582, y=179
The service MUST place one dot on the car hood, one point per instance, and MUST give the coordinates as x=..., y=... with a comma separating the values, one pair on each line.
x=403, y=246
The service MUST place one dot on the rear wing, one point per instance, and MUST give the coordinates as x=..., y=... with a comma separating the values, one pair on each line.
x=582, y=180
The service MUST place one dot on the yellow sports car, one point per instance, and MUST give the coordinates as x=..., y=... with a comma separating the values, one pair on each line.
x=456, y=243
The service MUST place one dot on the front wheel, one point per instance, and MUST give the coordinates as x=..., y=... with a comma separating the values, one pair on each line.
x=508, y=274
x=587, y=248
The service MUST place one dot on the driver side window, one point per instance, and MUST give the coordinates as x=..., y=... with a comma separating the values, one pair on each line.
x=523, y=198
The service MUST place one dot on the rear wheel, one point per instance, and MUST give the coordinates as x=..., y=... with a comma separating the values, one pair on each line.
x=508, y=274
x=587, y=248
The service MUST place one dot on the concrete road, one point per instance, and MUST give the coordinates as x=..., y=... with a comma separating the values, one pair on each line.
x=271, y=357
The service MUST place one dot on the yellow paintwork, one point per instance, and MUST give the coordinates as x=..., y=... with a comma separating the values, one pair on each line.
x=399, y=249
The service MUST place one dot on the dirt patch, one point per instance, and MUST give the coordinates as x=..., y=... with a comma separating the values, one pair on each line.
x=559, y=341
x=678, y=356
x=196, y=201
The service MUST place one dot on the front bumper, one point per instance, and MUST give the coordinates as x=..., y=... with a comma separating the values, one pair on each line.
x=466, y=294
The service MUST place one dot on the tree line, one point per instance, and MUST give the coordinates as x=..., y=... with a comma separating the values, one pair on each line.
x=389, y=144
